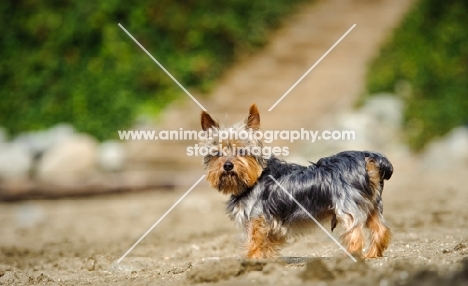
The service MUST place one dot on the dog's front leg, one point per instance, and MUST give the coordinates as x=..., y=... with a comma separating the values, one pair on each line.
x=262, y=241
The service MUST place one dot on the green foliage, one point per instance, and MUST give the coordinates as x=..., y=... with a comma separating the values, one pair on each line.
x=430, y=51
x=68, y=61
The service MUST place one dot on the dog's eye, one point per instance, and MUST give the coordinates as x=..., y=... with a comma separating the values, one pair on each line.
x=214, y=152
x=241, y=152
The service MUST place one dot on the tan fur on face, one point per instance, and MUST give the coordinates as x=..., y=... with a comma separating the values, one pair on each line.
x=247, y=166
x=244, y=175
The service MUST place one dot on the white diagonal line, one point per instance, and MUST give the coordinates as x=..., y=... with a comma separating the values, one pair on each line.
x=159, y=220
x=302, y=77
x=308, y=213
x=161, y=66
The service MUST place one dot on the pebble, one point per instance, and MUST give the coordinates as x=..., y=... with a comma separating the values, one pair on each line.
x=90, y=264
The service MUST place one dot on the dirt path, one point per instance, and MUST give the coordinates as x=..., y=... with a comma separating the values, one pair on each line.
x=332, y=87
x=76, y=242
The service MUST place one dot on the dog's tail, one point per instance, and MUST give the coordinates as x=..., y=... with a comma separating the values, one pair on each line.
x=382, y=163
x=386, y=168
x=378, y=169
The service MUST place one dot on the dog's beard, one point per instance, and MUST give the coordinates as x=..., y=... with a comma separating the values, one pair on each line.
x=230, y=183
x=244, y=175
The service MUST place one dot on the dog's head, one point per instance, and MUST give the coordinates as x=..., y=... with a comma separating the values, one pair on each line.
x=234, y=159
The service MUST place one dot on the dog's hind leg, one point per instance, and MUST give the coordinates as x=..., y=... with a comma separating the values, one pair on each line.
x=380, y=235
x=353, y=238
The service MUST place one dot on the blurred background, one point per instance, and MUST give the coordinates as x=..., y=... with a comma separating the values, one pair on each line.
x=69, y=73
x=68, y=69
x=71, y=79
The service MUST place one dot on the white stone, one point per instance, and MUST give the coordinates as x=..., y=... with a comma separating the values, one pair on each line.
x=375, y=127
x=15, y=162
x=359, y=123
x=457, y=142
x=449, y=152
x=70, y=161
x=385, y=108
x=112, y=155
x=39, y=141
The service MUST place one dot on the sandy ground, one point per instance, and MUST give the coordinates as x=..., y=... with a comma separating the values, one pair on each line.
x=77, y=242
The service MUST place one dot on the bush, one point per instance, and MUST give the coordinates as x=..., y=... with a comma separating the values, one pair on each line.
x=68, y=61
x=430, y=51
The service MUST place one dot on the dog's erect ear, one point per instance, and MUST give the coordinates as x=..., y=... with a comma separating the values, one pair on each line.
x=253, y=121
x=207, y=122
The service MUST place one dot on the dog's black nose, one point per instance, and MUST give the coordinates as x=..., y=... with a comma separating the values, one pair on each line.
x=228, y=166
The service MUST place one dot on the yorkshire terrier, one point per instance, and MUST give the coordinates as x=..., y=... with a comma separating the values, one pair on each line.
x=345, y=188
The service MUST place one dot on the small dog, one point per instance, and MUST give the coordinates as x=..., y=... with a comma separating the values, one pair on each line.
x=345, y=188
